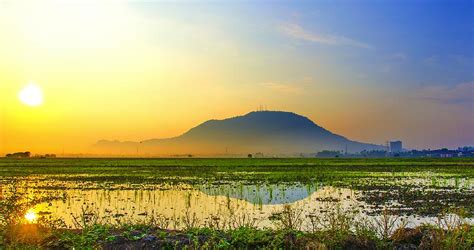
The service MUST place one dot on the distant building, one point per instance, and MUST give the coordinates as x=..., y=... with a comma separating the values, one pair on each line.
x=446, y=155
x=395, y=147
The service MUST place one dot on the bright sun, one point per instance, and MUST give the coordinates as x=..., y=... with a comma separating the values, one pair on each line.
x=31, y=95
x=31, y=216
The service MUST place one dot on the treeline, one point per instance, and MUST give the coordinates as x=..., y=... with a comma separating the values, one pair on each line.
x=427, y=153
x=27, y=154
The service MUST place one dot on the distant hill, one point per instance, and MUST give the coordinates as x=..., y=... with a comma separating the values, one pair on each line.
x=267, y=132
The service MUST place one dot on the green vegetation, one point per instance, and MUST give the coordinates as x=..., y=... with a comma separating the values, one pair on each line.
x=273, y=170
x=339, y=230
x=440, y=188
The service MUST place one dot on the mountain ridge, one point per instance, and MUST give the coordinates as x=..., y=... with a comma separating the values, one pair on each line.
x=270, y=132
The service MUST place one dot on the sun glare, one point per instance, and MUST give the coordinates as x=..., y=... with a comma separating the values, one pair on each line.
x=31, y=216
x=31, y=95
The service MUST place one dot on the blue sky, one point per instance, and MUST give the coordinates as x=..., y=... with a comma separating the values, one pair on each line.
x=369, y=70
x=396, y=42
x=420, y=53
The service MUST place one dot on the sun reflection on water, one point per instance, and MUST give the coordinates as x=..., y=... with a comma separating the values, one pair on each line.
x=31, y=216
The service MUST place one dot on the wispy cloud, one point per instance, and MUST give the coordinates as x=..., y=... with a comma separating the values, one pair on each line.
x=296, y=31
x=462, y=93
x=282, y=87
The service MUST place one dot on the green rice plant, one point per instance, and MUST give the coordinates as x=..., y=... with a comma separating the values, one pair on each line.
x=160, y=221
x=381, y=176
x=456, y=182
x=243, y=220
x=84, y=239
x=15, y=228
x=88, y=217
x=386, y=224
x=451, y=219
x=454, y=232
x=460, y=237
x=218, y=221
x=434, y=181
x=248, y=237
x=14, y=205
x=289, y=218
x=190, y=220
x=336, y=219
x=363, y=228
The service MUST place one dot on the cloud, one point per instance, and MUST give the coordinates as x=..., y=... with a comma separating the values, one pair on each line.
x=462, y=93
x=282, y=87
x=298, y=32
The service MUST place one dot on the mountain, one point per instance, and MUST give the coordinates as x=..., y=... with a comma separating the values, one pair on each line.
x=267, y=132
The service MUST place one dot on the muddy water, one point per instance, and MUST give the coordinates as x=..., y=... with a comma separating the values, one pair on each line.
x=201, y=204
x=168, y=205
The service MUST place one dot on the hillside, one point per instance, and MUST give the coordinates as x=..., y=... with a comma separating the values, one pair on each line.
x=268, y=132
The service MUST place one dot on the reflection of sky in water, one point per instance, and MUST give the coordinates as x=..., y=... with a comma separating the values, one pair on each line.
x=261, y=194
x=134, y=203
x=115, y=206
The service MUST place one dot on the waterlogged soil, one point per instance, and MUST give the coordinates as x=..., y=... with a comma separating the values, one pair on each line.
x=133, y=190
x=428, y=201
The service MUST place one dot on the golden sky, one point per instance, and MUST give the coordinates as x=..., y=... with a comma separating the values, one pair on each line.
x=139, y=71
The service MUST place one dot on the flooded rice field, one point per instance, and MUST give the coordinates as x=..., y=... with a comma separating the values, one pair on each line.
x=243, y=193
x=417, y=200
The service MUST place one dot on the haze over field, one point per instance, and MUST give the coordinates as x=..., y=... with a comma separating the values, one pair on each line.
x=266, y=132
x=75, y=72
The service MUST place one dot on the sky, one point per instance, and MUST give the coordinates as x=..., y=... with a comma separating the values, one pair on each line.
x=129, y=70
